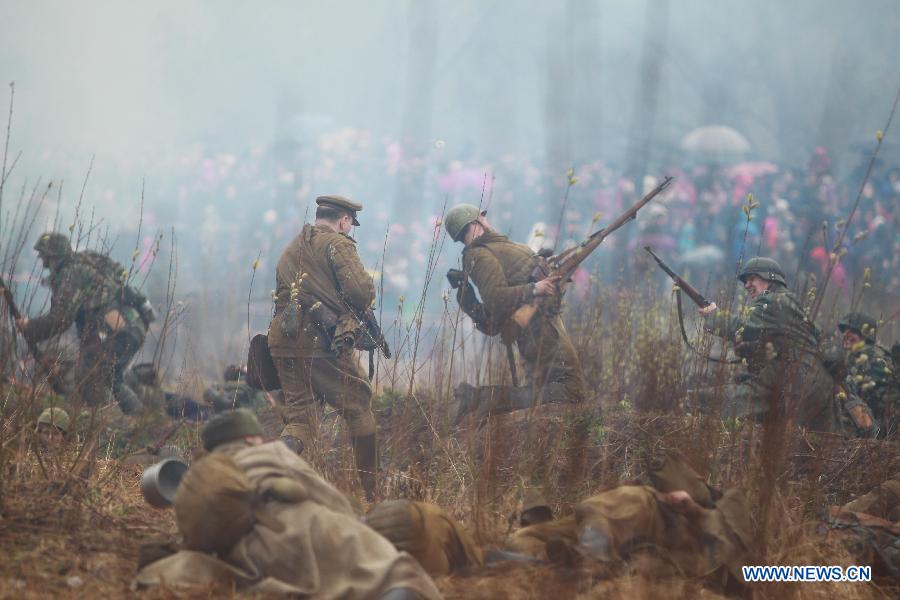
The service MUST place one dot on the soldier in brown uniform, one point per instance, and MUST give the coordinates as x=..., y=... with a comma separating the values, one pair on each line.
x=500, y=269
x=322, y=287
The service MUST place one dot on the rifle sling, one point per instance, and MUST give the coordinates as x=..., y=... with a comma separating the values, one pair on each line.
x=687, y=342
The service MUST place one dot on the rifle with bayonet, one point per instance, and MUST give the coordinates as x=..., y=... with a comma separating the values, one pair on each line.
x=563, y=265
x=694, y=295
x=38, y=356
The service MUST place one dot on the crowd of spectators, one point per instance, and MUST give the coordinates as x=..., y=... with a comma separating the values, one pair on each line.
x=228, y=208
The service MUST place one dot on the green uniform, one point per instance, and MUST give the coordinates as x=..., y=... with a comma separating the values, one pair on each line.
x=320, y=269
x=780, y=346
x=500, y=269
x=229, y=395
x=870, y=375
x=87, y=290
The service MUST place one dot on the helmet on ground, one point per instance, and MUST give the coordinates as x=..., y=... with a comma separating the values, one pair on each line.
x=53, y=244
x=861, y=323
x=56, y=417
x=458, y=217
x=765, y=268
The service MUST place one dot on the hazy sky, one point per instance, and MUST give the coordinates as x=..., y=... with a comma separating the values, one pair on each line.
x=131, y=79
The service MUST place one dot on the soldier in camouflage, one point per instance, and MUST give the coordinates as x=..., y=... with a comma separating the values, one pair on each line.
x=111, y=318
x=869, y=369
x=233, y=392
x=501, y=270
x=786, y=374
x=321, y=289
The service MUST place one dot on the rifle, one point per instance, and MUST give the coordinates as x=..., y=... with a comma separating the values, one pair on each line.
x=694, y=295
x=14, y=316
x=690, y=290
x=564, y=264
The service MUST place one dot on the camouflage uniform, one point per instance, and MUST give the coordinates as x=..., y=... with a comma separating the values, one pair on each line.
x=87, y=289
x=320, y=269
x=500, y=269
x=233, y=393
x=144, y=380
x=870, y=373
x=785, y=368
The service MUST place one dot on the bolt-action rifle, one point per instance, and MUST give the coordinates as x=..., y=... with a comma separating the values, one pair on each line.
x=694, y=295
x=683, y=285
x=564, y=264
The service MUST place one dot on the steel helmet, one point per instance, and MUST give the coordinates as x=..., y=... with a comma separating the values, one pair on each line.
x=861, y=323
x=53, y=244
x=763, y=267
x=458, y=217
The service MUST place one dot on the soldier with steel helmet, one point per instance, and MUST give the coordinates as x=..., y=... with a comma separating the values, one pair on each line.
x=501, y=270
x=786, y=375
x=870, y=368
x=52, y=426
x=89, y=290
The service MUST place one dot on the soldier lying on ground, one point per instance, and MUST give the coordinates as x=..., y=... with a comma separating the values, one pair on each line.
x=500, y=269
x=52, y=426
x=869, y=527
x=233, y=392
x=89, y=290
x=256, y=516
x=785, y=370
x=143, y=378
x=679, y=525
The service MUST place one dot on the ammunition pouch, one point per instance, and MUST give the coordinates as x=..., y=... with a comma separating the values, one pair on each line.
x=324, y=318
x=290, y=320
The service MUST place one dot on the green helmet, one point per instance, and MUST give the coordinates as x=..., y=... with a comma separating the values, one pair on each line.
x=763, y=267
x=56, y=417
x=53, y=244
x=458, y=217
x=861, y=323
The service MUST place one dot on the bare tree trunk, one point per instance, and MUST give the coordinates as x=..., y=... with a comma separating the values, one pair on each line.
x=420, y=84
x=646, y=104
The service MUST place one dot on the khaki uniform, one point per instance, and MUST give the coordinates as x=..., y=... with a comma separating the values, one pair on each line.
x=324, y=551
x=500, y=270
x=321, y=266
x=440, y=544
x=321, y=269
x=634, y=524
x=784, y=364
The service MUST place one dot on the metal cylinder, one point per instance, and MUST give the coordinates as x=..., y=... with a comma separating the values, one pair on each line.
x=160, y=482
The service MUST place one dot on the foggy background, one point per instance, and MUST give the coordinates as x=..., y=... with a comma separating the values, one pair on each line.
x=233, y=116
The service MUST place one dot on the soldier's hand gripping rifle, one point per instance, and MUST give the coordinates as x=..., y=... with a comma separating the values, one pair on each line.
x=563, y=265
x=694, y=295
x=35, y=352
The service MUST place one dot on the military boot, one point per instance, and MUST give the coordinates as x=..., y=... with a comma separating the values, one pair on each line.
x=126, y=398
x=302, y=428
x=366, y=453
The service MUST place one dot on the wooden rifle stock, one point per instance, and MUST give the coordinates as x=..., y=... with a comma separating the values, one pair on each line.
x=690, y=290
x=565, y=263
